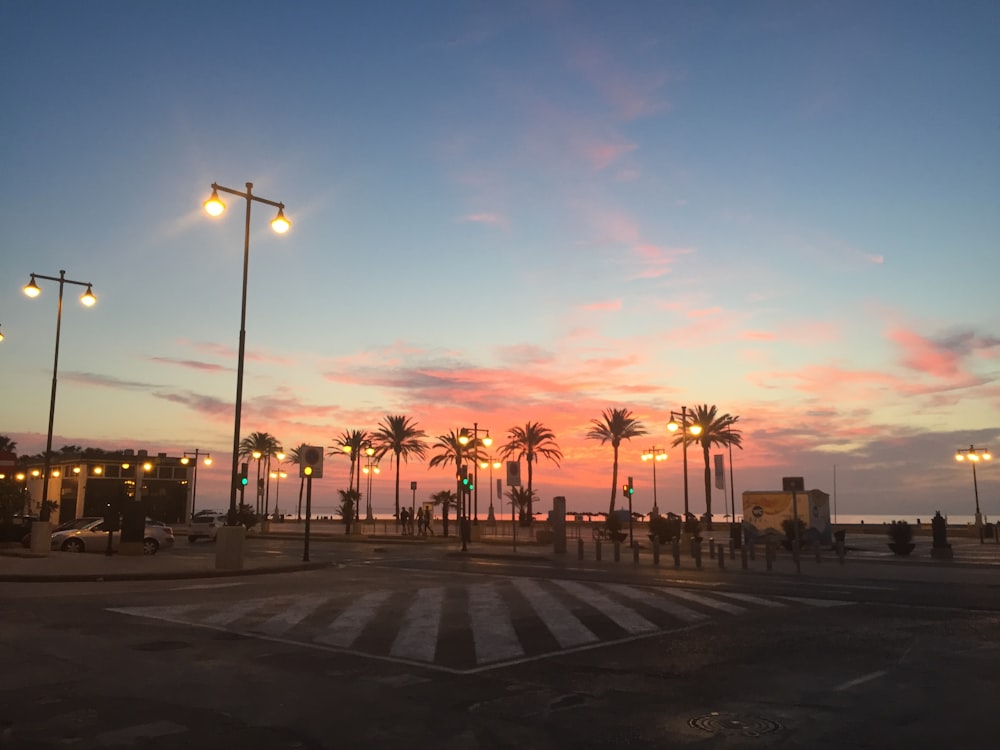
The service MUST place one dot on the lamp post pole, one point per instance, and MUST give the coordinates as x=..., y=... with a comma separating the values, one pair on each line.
x=655, y=454
x=277, y=476
x=87, y=298
x=369, y=452
x=487, y=441
x=974, y=455
x=491, y=463
x=280, y=224
x=694, y=429
x=194, y=479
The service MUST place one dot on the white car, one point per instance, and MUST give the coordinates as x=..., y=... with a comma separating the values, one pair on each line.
x=90, y=534
x=205, y=526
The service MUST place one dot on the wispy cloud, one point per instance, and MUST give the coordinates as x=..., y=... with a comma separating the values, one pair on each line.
x=106, y=381
x=615, y=304
x=191, y=364
x=484, y=218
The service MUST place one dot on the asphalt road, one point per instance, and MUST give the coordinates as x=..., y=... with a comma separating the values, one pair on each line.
x=399, y=647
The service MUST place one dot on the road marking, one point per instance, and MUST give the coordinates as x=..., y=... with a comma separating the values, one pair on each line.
x=128, y=735
x=563, y=624
x=816, y=602
x=234, y=612
x=418, y=633
x=656, y=601
x=208, y=586
x=750, y=599
x=860, y=680
x=291, y=616
x=628, y=619
x=352, y=621
x=705, y=601
x=493, y=632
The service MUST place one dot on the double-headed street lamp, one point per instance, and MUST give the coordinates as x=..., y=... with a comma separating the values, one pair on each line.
x=277, y=475
x=687, y=430
x=88, y=299
x=655, y=455
x=185, y=460
x=214, y=207
x=370, y=469
x=974, y=455
x=490, y=463
x=464, y=439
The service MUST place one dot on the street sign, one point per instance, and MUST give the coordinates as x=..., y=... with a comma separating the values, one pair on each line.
x=793, y=484
x=513, y=473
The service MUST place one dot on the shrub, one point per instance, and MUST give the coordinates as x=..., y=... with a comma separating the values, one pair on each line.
x=900, y=532
x=665, y=528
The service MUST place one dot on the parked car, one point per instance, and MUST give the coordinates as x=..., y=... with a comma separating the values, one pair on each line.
x=90, y=534
x=205, y=525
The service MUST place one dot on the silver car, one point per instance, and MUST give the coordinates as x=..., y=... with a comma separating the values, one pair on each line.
x=206, y=525
x=90, y=534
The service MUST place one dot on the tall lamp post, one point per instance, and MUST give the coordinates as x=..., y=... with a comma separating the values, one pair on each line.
x=491, y=463
x=687, y=429
x=88, y=299
x=185, y=460
x=974, y=455
x=215, y=207
x=370, y=468
x=277, y=475
x=655, y=455
x=464, y=439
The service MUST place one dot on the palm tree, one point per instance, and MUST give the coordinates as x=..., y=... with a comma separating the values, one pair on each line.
x=295, y=456
x=614, y=426
x=348, y=502
x=396, y=434
x=7, y=445
x=451, y=451
x=521, y=498
x=446, y=499
x=351, y=443
x=530, y=442
x=265, y=445
x=716, y=429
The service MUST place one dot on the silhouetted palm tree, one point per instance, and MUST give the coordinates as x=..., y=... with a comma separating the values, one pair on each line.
x=451, y=451
x=296, y=457
x=614, y=426
x=266, y=446
x=7, y=445
x=530, y=442
x=396, y=434
x=348, y=502
x=521, y=499
x=716, y=429
x=351, y=443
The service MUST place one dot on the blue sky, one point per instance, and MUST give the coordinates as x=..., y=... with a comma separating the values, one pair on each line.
x=506, y=212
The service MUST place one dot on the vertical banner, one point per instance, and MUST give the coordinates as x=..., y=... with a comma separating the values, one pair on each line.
x=513, y=473
x=720, y=471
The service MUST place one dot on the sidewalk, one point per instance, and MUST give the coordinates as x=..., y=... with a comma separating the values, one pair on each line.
x=867, y=556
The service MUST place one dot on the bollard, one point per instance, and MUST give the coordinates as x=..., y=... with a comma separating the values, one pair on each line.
x=753, y=550
x=618, y=551
x=656, y=550
x=711, y=548
x=675, y=548
x=743, y=557
x=769, y=555
x=818, y=558
x=697, y=555
x=597, y=549
x=722, y=559
x=579, y=549
x=840, y=551
x=732, y=550
x=635, y=552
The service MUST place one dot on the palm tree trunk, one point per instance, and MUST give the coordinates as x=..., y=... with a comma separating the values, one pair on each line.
x=708, y=490
x=531, y=496
x=302, y=484
x=614, y=483
x=397, y=487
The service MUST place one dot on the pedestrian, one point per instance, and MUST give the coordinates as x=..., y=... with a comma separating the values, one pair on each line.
x=404, y=517
x=428, y=518
x=420, y=521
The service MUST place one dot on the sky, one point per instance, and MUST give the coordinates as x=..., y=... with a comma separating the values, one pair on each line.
x=513, y=212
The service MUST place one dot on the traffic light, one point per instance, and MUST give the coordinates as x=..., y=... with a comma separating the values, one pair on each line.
x=463, y=475
x=242, y=481
x=311, y=461
x=629, y=488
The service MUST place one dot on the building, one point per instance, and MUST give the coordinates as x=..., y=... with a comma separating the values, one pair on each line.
x=87, y=485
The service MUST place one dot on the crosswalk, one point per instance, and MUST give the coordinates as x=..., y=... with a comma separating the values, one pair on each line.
x=471, y=627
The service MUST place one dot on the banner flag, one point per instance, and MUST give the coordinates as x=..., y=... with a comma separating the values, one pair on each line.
x=720, y=471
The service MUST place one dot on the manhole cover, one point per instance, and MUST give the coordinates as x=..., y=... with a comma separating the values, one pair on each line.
x=742, y=724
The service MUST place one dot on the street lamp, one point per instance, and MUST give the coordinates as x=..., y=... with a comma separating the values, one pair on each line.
x=655, y=455
x=277, y=475
x=215, y=207
x=491, y=463
x=686, y=430
x=370, y=468
x=974, y=455
x=185, y=460
x=464, y=439
x=88, y=299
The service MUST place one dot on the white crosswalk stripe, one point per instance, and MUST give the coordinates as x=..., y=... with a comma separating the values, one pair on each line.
x=467, y=627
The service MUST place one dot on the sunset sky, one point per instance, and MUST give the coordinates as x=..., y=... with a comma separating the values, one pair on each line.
x=506, y=212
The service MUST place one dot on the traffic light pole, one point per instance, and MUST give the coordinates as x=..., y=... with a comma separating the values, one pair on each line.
x=309, y=495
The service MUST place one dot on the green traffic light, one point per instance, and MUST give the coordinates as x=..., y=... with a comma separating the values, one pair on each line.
x=244, y=481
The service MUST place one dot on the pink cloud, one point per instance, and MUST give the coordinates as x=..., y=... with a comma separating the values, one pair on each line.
x=922, y=354
x=485, y=218
x=609, y=305
x=603, y=155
